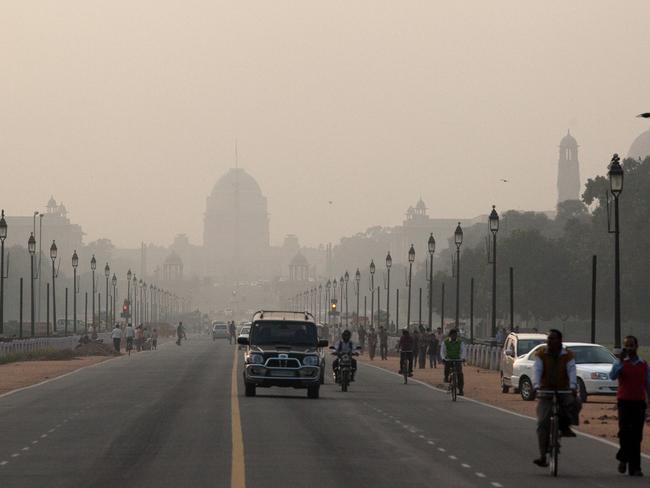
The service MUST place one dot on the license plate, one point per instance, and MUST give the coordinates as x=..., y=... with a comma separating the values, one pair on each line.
x=282, y=373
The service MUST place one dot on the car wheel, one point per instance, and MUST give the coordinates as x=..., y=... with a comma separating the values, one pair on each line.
x=526, y=389
x=582, y=391
x=250, y=389
x=313, y=391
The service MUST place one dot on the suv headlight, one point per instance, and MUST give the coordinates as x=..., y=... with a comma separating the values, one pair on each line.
x=311, y=361
x=256, y=359
x=599, y=376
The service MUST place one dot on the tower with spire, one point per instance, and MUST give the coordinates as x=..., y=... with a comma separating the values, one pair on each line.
x=568, y=174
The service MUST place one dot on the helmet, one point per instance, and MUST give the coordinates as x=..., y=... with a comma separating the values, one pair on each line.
x=346, y=333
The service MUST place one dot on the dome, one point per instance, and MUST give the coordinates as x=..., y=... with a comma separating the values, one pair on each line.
x=173, y=259
x=236, y=178
x=640, y=148
x=568, y=141
x=299, y=260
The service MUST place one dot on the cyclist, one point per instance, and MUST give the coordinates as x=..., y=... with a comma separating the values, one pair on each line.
x=129, y=333
x=345, y=346
x=554, y=369
x=454, y=348
x=406, y=352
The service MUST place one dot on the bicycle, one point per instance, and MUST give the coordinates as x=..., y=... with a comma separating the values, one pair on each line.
x=404, y=365
x=129, y=345
x=453, y=378
x=553, y=450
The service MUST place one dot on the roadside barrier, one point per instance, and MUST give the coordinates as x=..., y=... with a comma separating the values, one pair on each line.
x=483, y=356
x=43, y=343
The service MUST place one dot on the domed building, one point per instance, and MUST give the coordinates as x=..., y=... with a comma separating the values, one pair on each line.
x=640, y=148
x=236, y=227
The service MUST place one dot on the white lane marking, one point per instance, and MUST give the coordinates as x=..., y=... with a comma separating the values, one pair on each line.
x=480, y=475
x=65, y=421
x=496, y=485
x=51, y=430
x=58, y=425
x=3, y=463
x=43, y=436
x=503, y=410
x=34, y=442
x=421, y=436
x=442, y=449
x=466, y=466
x=452, y=457
x=431, y=442
x=26, y=448
x=15, y=454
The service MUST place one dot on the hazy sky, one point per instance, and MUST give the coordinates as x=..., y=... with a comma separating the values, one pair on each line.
x=128, y=110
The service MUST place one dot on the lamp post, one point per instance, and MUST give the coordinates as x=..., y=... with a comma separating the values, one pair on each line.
x=3, y=236
x=53, y=254
x=107, y=274
x=341, y=300
x=357, y=279
x=140, y=320
x=151, y=303
x=408, y=306
x=494, y=228
x=328, y=298
x=372, y=293
x=346, y=278
x=128, y=294
x=320, y=301
x=75, y=263
x=334, y=284
x=31, y=247
x=616, y=177
x=93, y=267
x=134, y=316
x=114, y=283
x=458, y=240
x=389, y=263
x=431, y=246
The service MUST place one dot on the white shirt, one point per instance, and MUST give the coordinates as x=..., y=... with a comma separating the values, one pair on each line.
x=130, y=332
x=117, y=333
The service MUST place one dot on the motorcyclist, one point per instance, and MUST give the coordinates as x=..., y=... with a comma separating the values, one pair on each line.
x=345, y=346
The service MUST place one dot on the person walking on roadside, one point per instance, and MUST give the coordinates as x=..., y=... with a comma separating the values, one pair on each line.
x=180, y=333
x=633, y=375
x=116, y=335
x=372, y=343
x=383, y=343
x=129, y=333
x=232, y=329
x=139, y=337
x=440, y=337
x=154, y=339
x=433, y=349
x=422, y=348
x=362, y=337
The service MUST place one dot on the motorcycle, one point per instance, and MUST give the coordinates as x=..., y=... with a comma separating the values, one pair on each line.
x=343, y=372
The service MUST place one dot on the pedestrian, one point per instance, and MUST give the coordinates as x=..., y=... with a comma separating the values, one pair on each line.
x=422, y=349
x=439, y=337
x=139, y=338
x=416, y=345
x=116, y=335
x=372, y=343
x=383, y=343
x=129, y=333
x=633, y=375
x=154, y=339
x=433, y=349
x=362, y=337
x=180, y=333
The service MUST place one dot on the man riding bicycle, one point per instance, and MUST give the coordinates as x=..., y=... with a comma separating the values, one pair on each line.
x=554, y=369
x=406, y=352
x=453, y=349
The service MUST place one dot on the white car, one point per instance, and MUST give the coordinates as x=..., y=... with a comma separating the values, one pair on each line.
x=244, y=332
x=219, y=331
x=593, y=364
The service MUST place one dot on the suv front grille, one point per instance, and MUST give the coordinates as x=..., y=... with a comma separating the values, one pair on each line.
x=282, y=363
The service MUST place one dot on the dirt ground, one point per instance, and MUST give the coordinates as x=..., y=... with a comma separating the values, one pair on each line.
x=598, y=416
x=25, y=373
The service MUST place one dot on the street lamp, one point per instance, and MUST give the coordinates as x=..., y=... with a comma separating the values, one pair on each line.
x=107, y=274
x=458, y=240
x=128, y=293
x=134, y=313
x=372, y=293
x=3, y=236
x=494, y=228
x=114, y=283
x=140, y=302
x=151, y=303
x=31, y=247
x=320, y=301
x=431, y=247
x=408, y=307
x=328, y=298
x=357, y=279
x=389, y=263
x=93, y=267
x=53, y=254
x=346, y=279
x=341, y=299
x=616, y=177
x=75, y=263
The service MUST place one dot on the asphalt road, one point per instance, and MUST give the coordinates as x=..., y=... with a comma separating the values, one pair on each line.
x=165, y=419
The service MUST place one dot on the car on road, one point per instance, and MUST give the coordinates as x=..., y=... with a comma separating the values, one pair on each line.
x=593, y=364
x=243, y=332
x=220, y=330
x=283, y=349
x=516, y=346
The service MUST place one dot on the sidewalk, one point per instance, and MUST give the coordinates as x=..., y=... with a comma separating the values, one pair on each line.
x=598, y=417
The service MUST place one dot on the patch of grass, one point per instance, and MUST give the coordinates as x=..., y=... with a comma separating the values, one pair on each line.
x=42, y=355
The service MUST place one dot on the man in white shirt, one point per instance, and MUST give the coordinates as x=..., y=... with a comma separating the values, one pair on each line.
x=116, y=335
x=129, y=332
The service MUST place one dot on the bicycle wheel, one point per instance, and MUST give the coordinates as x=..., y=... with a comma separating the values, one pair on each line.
x=453, y=385
x=405, y=371
x=553, y=445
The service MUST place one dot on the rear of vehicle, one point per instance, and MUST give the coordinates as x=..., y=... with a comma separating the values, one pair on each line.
x=219, y=330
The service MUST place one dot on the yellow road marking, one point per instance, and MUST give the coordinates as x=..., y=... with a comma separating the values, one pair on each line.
x=237, y=467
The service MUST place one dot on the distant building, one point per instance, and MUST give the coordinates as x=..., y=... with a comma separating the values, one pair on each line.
x=640, y=148
x=568, y=173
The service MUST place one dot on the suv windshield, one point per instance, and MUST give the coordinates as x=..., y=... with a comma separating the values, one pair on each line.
x=592, y=354
x=285, y=333
x=525, y=345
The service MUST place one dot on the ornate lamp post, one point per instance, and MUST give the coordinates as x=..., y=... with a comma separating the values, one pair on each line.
x=334, y=285
x=372, y=293
x=616, y=177
x=93, y=267
x=341, y=300
x=140, y=307
x=3, y=236
x=346, y=278
x=134, y=313
x=75, y=263
x=357, y=279
x=53, y=254
x=128, y=289
x=389, y=263
x=431, y=247
x=107, y=274
x=328, y=298
x=31, y=247
x=320, y=301
x=114, y=283
x=494, y=228
x=458, y=240
x=408, y=307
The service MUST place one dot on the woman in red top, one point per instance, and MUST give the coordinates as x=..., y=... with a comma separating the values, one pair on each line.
x=633, y=376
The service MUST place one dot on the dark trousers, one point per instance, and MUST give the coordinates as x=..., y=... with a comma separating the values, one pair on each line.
x=422, y=358
x=631, y=416
x=433, y=359
x=408, y=357
x=459, y=371
x=116, y=344
x=544, y=412
x=383, y=351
